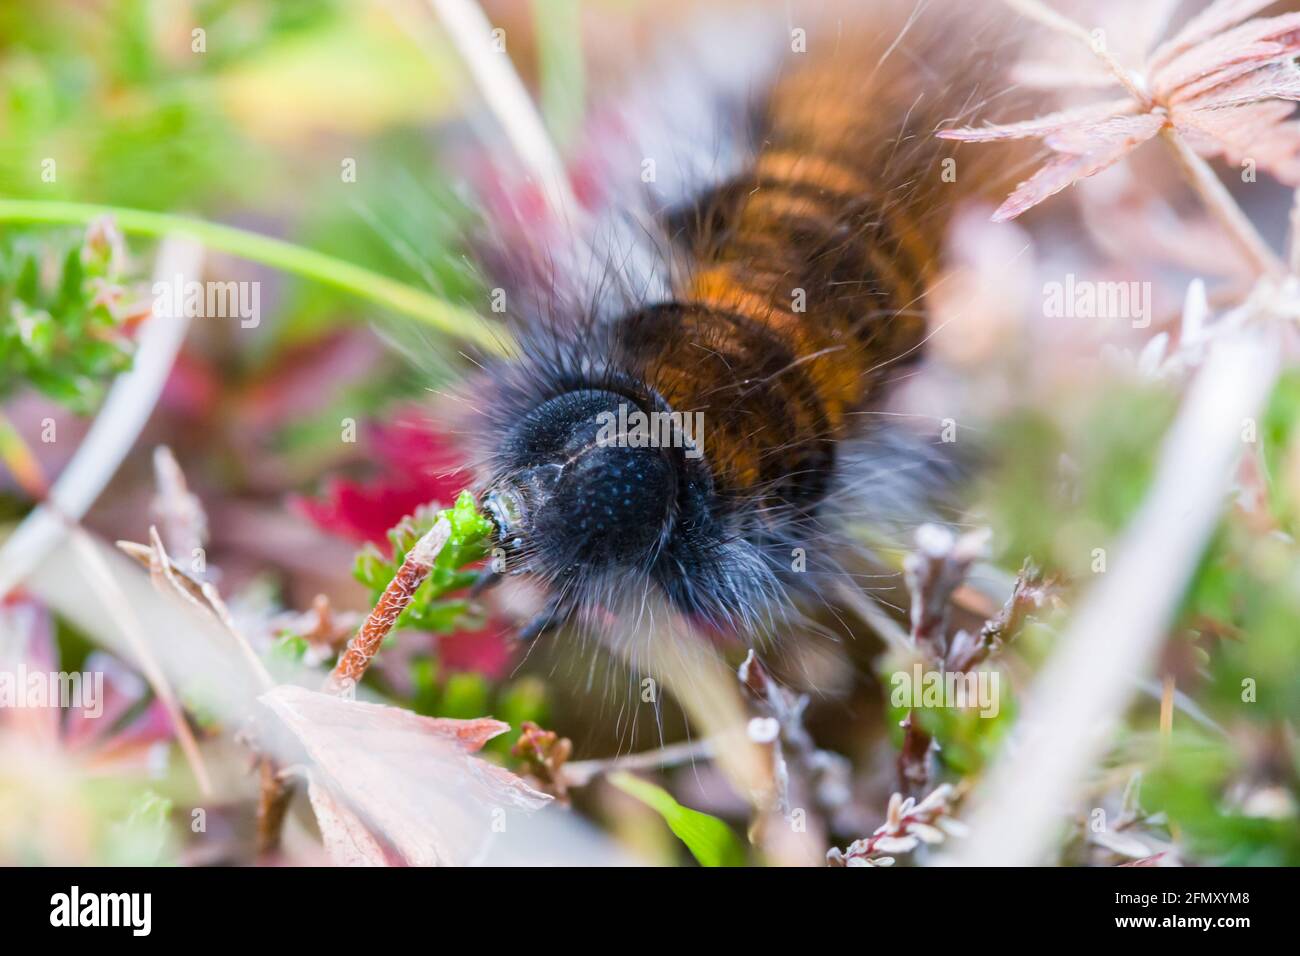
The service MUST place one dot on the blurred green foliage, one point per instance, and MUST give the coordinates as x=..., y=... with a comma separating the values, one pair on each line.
x=967, y=739
x=1067, y=480
x=244, y=112
x=709, y=839
x=143, y=837
x=1191, y=785
x=1277, y=436
x=1087, y=463
x=64, y=301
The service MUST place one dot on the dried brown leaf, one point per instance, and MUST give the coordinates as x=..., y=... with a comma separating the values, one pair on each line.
x=1261, y=132
x=1042, y=125
x=1225, y=87
x=414, y=781
x=1106, y=143
x=1214, y=19
x=1259, y=41
x=1278, y=81
x=347, y=840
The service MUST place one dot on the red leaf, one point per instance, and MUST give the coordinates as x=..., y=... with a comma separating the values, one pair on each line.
x=488, y=652
x=364, y=511
x=417, y=466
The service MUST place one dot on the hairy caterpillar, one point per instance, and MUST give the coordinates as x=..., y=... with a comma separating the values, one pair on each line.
x=785, y=289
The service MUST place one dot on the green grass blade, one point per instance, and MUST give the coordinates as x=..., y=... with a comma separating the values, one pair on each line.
x=398, y=296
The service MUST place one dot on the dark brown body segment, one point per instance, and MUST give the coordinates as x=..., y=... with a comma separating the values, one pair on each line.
x=804, y=288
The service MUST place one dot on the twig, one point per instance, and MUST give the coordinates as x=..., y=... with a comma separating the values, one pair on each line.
x=907, y=825
x=201, y=594
x=824, y=773
x=101, y=581
x=276, y=790
x=1029, y=593
x=1041, y=13
x=933, y=573
x=274, y=793
x=1219, y=202
x=509, y=101
x=355, y=659
x=582, y=772
x=914, y=756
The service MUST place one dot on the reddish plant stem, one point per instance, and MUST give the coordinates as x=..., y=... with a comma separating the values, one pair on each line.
x=276, y=792
x=356, y=657
x=914, y=757
x=933, y=573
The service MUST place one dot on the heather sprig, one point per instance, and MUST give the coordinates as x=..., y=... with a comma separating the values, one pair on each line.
x=429, y=610
x=66, y=306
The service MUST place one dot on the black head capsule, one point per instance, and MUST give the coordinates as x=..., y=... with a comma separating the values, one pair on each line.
x=575, y=493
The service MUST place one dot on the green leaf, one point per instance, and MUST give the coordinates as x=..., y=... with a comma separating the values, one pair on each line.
x=63, y=328
x=289, y=648
x=429, y=609
x=710, y=841
x=144, y=837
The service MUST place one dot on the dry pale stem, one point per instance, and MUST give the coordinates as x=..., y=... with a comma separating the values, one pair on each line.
x=1057, y=21
x=1220, y=204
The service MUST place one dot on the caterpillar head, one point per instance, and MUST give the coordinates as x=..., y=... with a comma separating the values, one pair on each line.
x=571, y=491
x=598, y=491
